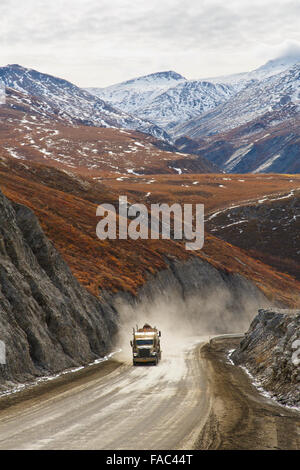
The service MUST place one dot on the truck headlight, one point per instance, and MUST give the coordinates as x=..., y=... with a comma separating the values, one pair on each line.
x=135, y=354
x=153, y=353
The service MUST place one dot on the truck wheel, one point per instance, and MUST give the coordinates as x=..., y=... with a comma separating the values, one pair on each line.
x=134, y=363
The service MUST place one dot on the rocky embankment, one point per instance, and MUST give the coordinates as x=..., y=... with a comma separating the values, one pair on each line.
x=49, y=322
x=271, y=353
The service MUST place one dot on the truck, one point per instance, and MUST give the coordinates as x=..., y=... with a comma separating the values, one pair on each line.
x=146, y=345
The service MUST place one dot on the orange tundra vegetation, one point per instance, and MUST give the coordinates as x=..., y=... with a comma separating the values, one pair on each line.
x=66, y=206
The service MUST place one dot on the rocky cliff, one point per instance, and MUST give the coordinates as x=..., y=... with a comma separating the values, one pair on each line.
x=271, y=352
x=48, y=321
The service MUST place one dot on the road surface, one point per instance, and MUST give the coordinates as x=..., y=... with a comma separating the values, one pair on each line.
x=144, y=407
x=193, y=399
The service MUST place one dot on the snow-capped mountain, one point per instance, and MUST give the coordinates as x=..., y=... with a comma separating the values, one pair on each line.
x=33, y=130
x=258, y=129
x=138, y=93
x=165, y=98
x=274, y=67
x=277, y=95
x=241, y=123
x=169, y=100
x=186, y=100
x=270, y=68
x=71, y=103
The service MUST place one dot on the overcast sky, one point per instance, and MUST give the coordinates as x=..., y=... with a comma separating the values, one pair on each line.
x=101, y=42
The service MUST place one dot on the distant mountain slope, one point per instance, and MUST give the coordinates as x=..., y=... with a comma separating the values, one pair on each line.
x=71, y=103
x=186, y=100
x=257, y=130
x=279, y=93
x=270, y=68
x=139, y=92
x=32, y=129
x=261, y=146
x=248, y=124
x=165, y=98
x=178, y=105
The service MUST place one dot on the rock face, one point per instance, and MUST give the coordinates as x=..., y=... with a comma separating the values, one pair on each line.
x=195, y=297
x=48, y=322
x=271, y=352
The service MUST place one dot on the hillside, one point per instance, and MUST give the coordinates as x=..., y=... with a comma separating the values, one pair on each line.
x=247, y=123
x=264, y=145
x=215, y=191
x=71, y=103
x=30, y=131
x=254, y=212
x=268, y=229
x=277, y=93
x=66, y=204
x=256, y=130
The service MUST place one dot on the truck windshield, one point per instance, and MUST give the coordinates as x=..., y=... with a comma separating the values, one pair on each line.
x=144, y=342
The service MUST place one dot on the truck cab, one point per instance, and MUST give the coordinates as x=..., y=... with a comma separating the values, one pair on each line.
x=146, y=345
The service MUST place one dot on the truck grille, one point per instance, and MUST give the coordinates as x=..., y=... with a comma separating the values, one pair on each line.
x=144, y=352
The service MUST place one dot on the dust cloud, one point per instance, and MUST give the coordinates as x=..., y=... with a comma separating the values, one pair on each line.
x=182, y=320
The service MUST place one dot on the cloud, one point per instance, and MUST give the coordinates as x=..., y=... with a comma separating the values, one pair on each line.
x=98, y=42
x=286, y=49
x=289, y=49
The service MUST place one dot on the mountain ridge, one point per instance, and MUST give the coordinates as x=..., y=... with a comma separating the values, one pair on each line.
x=171, y=103
x=75, y=104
